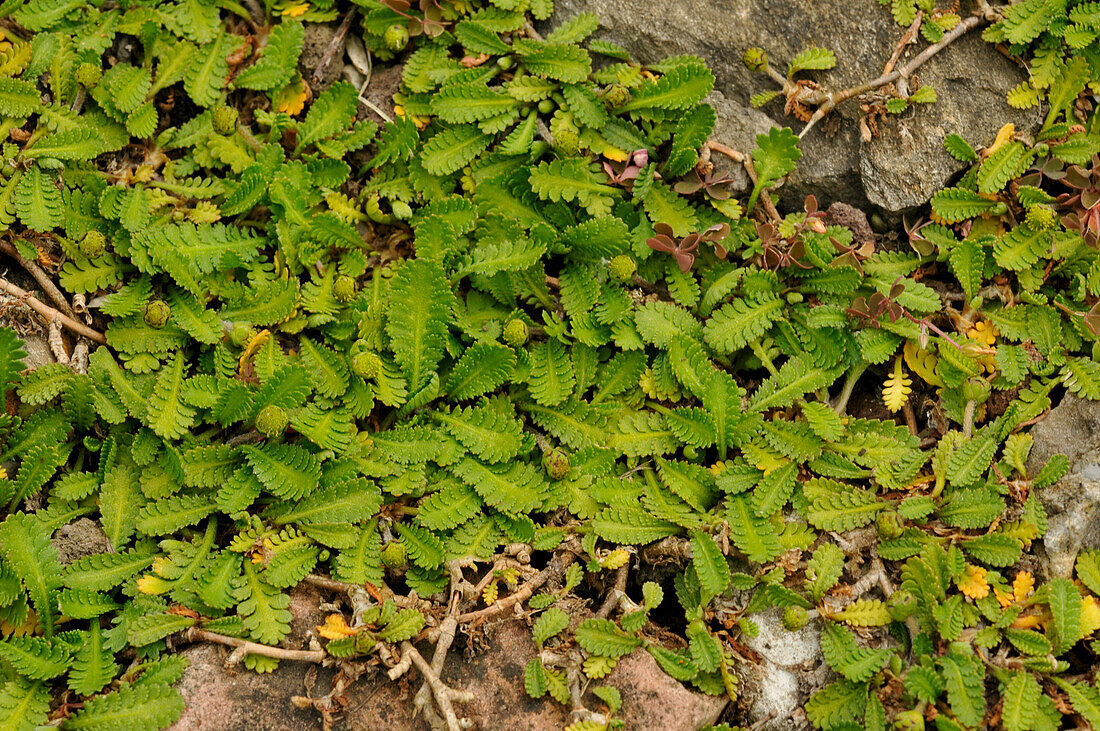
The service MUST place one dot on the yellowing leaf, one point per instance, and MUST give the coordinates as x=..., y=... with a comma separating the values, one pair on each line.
x=295, y=10
x=1003, y=136
x=923, y=363
x=615, y=559
x=292, y=100
x=973, y=584
x=1090, y=616
x=490, y=592
x=897, y=388
x=335, y=628
x=1022, y=586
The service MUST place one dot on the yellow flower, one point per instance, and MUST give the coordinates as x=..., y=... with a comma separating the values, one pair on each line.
x=335, y=628
x=973, y=583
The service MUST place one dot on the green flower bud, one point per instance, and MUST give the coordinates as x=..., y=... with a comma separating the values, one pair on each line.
x=567, y=141
x=271, y=421
x=616, y=96
x=546, y=106
x=755, y=59
x=901, y=604
x=396, y=37
x=895, y=664
x=1042, y=149
x=795, y=618
x=691, y=453
x=394, y=555
x=93, y=244
x=622, y=267
x=794, y=298
x=401, y=210
x=343, y=289
x=224, y=120
x=515, y=332
x=240, y=335
x=889, y=525
x=975, y=389
x=909, y=721
x=556, y=464
x=505, y=62
x=1040, y=217
x=88, y=74
x=366, y=364
x=157, y=313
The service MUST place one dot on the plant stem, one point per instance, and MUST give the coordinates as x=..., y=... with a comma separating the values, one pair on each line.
x=968, y=418
x=759, y=351
x=849, y=386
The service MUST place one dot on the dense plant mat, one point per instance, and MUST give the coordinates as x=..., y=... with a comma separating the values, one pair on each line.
x=479, y=356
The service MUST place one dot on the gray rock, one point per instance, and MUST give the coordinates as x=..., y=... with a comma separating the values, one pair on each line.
x=898, y=170
x=790, y=670
x=1073, y=503
x=318, y=38
x=83, y=537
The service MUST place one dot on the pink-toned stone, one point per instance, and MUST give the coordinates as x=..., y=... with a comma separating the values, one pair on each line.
x=221, y=700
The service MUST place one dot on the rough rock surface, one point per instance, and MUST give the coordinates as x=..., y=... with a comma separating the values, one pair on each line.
x=218, y=699
x=897, y=170
x=83, y=537
x=1072, y=504
x=790, y=670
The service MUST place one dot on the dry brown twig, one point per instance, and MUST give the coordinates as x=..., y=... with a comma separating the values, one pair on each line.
x=558, y=564
x=827, y=101
x=253, y=648
x=616, y=593
x=334, y=46
x=49, y=313
x=41, y=277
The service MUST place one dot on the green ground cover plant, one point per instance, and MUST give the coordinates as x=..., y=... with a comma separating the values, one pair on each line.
x=492, y=351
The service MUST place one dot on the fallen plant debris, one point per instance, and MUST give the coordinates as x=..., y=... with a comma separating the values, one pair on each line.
x=507, y=353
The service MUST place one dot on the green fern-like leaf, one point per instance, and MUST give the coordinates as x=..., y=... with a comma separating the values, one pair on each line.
x=26, y=547
x=145, y=707
x=286, y=470
x=417, y=320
